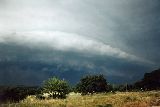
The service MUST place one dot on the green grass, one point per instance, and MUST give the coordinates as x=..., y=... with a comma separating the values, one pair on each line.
x=120, y=99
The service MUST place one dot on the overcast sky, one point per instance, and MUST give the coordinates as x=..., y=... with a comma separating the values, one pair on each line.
x=72, y=38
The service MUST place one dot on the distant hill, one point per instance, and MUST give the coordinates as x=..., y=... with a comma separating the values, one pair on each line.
x=150, y=81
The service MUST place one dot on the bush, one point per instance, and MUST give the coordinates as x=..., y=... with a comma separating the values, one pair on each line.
x=15, y=94
x=92, y=84
x=55, y=87
x=107, y=105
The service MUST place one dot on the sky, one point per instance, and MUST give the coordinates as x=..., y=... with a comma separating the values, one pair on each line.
x=73, y=38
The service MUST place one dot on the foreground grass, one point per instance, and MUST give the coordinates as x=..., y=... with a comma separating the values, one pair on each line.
x=119, y=99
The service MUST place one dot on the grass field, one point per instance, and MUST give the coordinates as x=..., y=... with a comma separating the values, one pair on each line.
x=118, y=99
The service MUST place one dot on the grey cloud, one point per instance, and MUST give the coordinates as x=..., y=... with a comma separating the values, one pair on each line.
x=113, y=37
x=68, y=42
x=34, y=66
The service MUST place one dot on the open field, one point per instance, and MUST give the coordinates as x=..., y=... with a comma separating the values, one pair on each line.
x=118, y=99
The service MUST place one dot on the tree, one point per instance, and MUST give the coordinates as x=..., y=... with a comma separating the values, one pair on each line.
x=150, y=81
x=15, y=94
x=91, y=84
x=55, y=87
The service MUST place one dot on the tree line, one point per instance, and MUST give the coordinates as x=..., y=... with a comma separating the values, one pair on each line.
x=59, y=88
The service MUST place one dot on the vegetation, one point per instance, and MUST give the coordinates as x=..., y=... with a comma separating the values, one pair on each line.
x=92, y=84
x=96, y=92
x=55, y=87
x=15, y=94
x=151, y=81
x=118, y=99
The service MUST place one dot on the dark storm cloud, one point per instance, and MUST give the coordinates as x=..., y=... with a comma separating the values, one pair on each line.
x=34, y=66
x=140, y=29
x=119, y=39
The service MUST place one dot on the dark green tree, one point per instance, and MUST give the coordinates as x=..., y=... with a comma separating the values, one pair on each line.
x=56, y=87
x=15, y=94
x=92, y=84
x=150, y=81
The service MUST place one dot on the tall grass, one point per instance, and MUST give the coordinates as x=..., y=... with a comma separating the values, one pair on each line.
x=118, y=99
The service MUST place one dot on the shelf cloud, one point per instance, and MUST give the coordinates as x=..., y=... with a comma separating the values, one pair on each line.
x=74, y=37
x=62, y=41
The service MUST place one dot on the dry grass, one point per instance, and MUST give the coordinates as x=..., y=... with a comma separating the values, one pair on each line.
x=120, y=99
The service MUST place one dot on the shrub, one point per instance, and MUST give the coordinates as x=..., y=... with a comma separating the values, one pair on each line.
x=92, y=84
x=15, y=94
x=55, y=87
x=107, y=105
